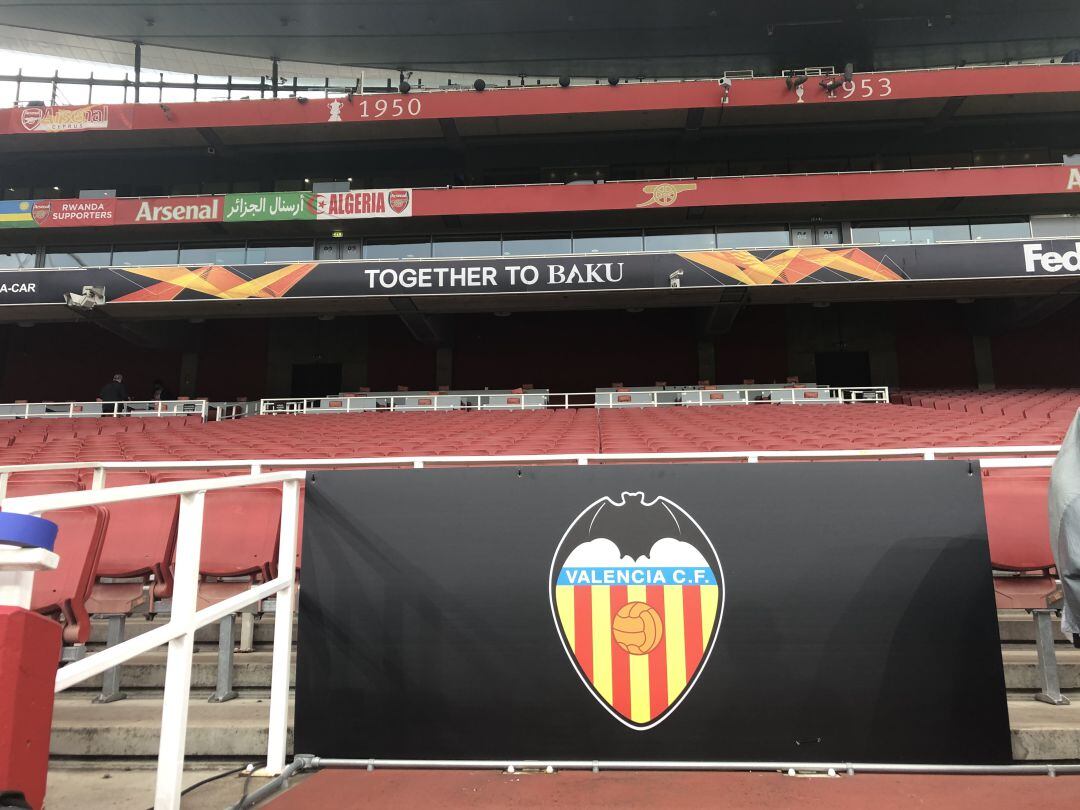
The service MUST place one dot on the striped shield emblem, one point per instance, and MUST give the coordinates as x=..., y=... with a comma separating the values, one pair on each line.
x=637, y=594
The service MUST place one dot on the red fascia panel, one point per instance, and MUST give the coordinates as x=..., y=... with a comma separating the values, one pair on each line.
x=788, y=189
x=532, y=101
x=772, y=189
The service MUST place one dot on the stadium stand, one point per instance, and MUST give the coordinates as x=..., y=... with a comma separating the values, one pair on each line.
x=240, y=544
x=117, y=563
x=982, y=421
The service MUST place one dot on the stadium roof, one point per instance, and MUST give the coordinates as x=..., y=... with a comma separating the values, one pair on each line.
x=567, y=37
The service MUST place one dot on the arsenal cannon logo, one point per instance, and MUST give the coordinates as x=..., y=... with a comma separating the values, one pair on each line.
x=637, y=594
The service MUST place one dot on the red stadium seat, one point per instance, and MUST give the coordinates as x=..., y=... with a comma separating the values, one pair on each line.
x=139, y=545
x=63, y=592
x=1017, y=519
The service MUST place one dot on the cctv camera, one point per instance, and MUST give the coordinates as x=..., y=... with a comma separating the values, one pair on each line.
x=89, y=298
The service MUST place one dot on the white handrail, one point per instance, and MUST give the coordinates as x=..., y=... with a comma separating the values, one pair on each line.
x=185, y=618
x=92, y=409
x=257, y=465
x=601, y=398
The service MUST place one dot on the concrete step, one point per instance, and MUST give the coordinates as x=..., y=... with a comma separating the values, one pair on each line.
x=1021, y=666
x=131, y=728
x=1018, y=626
x=250, y=671
x=1044, y=732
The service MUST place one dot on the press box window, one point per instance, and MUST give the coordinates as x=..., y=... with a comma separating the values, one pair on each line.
x=144, y=255
x=608, y=242
x=775, y=236
x=16, y=258
x=464, y=248
x=203, y=255
x=397, y=249
x=883, y=233
x=1000, y=229
x=537, y=245
x=259, y=252
x=680, y=240
x=78, y=257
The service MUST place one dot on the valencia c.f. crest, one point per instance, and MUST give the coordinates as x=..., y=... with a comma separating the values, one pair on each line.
x=637, y=594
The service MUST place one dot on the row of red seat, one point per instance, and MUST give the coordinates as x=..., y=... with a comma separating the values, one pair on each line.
x=135, y=542
x=667, y=429
x=1051, y=404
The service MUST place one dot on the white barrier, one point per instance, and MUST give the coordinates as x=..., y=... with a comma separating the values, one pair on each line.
x=95, y=409
x=1001, y=456
x=600, y=398
x=185, y=618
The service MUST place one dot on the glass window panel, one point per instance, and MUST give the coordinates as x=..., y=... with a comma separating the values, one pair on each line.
x=397, y=249
x=474, y=246
x=1001, y=229
x=608, y=242
x=257, y=253
x=771, y=236
x=1064, y=225
x=140, y=255
x=927, y=233
x=212, y=254
x=78, y=257
x=16, y=258
x=885, y=233
x=536, y=244
x=680, y=240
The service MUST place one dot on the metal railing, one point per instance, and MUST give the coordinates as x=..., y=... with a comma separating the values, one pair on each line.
x=531, y=400
x=185, y=618
x=263, y=86
x=1000, y=456
x=97, y=408
x=221, y=411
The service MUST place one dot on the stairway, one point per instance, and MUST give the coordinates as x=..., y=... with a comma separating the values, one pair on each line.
x=130, y=728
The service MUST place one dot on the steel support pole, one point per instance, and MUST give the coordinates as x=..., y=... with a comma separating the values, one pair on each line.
x=226, y=641
x=110, y=683
x=138, y=69
x=1050, y=691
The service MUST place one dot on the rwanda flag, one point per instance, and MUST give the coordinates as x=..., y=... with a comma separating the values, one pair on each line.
x=17, y=214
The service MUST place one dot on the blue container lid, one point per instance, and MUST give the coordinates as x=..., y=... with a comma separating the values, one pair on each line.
x=27, y=531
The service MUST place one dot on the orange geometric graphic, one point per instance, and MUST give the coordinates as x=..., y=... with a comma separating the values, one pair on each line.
x=215, y=281
x=792, y=266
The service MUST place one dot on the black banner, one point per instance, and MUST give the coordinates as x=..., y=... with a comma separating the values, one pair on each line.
x=591, y=273
x=651, y=612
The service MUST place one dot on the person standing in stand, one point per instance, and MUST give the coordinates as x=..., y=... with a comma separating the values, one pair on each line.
x=111, y=393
